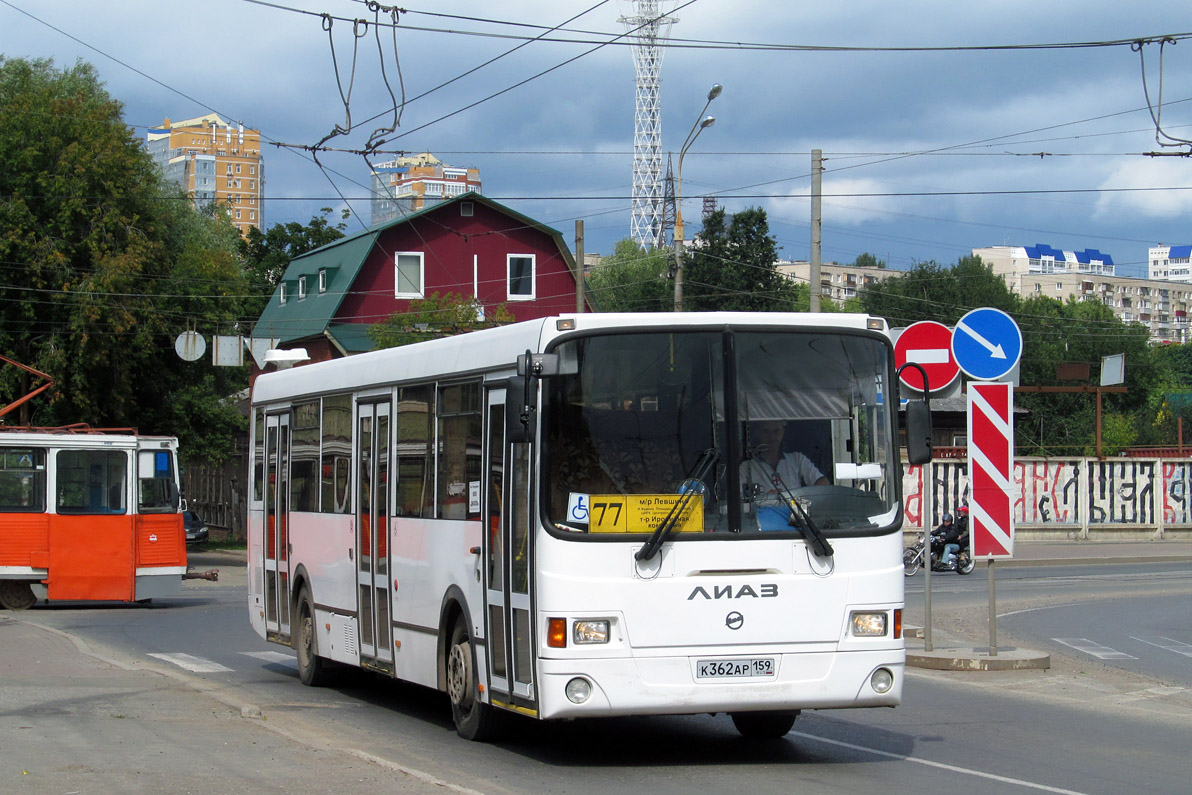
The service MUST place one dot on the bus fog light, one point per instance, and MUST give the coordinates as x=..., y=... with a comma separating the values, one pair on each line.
x=578, y=690
x=869, y=625
x=584, y=631
x=881, y=681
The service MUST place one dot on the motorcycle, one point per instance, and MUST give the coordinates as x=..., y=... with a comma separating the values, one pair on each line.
x=912, y=558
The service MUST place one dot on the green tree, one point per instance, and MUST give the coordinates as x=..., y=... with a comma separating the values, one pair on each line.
x=103, y=264
x=436, y=316
x=733, y=265
x=266, y=255
x=930, y=291
x=867, y=260
x=632, y=279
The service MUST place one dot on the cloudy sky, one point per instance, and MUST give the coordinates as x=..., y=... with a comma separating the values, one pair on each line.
x=944, y=125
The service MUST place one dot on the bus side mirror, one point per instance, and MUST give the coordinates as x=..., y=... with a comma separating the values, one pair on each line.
x=918, y=431
x=520, y=415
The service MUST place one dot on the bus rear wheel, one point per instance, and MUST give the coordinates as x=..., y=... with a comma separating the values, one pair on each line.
x=764, y=725
x=16, y=595
x=313, y=670
x=474, y=719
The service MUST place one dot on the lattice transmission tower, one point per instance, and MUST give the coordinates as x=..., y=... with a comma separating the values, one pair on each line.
x=649, y=27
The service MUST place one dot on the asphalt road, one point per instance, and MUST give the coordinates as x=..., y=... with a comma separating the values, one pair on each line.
x=184, y=695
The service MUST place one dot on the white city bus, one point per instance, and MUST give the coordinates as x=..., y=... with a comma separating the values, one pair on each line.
x=588, y=536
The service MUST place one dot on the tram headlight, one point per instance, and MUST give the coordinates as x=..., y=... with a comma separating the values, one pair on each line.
x=868, y=625
x=578, y=690
x=586, y=631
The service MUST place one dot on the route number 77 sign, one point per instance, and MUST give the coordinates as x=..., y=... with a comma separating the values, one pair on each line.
x=991, y=463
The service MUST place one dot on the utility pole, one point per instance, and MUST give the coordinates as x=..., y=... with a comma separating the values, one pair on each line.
x=579, y=266
x=817, y=176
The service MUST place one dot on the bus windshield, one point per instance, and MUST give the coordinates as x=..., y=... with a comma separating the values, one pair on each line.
x=743, y=431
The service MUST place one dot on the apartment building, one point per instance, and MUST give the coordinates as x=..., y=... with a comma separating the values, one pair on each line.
x=1161, y=306
x=1172, y=263
x=214, y=162
x=837, y=282
x=409, y=184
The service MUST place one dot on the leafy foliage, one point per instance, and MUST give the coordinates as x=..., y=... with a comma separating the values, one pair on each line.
x=733, y=265
x=632, y=279
x=103, y=263
x=436, y=316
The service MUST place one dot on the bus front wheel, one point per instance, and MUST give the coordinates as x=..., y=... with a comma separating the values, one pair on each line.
x=16, y=595
x=473, y=718
x=764, y=725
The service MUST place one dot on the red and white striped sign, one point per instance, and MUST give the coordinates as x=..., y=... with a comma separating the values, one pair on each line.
x=991, y=462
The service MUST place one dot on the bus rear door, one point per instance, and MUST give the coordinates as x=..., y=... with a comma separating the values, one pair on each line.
x=277, y=515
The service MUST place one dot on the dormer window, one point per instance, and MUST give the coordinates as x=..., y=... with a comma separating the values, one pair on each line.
x=301, y=287
x=281, y=293
x=322, y=280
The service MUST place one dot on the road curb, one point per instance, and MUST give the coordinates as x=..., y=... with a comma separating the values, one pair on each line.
x=1008, y=658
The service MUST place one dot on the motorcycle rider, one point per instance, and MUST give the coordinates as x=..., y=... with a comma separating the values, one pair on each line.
x=939, y=537
x=954, y=536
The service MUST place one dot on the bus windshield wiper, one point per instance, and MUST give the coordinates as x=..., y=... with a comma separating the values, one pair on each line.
x=692, y=485
x=815, y=536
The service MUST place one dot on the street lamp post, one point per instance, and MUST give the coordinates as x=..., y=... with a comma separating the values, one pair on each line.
x=701, y=122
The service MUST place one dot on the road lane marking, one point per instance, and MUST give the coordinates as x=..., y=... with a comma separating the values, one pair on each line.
x=193, y=664
x=1171, y=644
x=940, y=765
x=276, y=657
x=1094, y=649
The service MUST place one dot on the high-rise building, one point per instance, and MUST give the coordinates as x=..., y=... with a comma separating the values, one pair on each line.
x=409, y=184
x=1170, y=263
x=214, y=162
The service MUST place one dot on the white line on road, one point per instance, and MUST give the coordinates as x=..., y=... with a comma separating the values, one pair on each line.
x=281, y=658
x=1095, y=649
x=940, y=765
x=193, y=664
x=1171, y=644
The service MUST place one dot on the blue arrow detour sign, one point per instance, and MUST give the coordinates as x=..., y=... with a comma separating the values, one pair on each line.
x=987, y=344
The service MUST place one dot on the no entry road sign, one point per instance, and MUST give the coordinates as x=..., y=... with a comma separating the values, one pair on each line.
x=991, y=461
x=929, y=344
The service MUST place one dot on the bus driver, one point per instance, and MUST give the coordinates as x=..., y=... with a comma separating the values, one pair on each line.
x=768, y=472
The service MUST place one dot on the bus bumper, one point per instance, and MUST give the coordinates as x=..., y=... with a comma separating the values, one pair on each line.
x=671, y=686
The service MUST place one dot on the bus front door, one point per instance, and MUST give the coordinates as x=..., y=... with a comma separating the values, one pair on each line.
x=508, y=620
x=277, y=514
x=372, y=536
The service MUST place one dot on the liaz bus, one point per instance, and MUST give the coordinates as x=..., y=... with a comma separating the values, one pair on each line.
x=89, y=515
x=570, y=517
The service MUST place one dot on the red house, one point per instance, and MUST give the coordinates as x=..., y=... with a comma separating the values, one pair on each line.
x=468, y=245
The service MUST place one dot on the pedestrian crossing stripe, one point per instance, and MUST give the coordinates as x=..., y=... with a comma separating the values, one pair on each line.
x=193, y=664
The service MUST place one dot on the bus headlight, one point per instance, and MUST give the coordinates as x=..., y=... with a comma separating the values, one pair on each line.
x=590, y=631
x=868, y=625
x=578, y=690
x=881, y=681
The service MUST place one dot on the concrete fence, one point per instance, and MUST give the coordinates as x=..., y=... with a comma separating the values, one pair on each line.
x=1082, y=498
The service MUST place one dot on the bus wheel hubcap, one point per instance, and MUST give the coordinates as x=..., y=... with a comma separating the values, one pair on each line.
x=459, y=676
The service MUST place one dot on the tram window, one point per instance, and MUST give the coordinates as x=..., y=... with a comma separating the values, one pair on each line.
x=91, y=481
x=336, y=453
x=304, y=458
x=415, y=424
x=258, y=458
x=155, y=479
x=459, y=452
x=22, y=479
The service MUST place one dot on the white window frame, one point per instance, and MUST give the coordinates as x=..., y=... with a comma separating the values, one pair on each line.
x=301, y=287
x=281, y=293
x=322, y=280
x=421, y=291
x=510, y=295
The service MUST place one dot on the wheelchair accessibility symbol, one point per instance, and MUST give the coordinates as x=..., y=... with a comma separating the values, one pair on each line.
x=577, y=508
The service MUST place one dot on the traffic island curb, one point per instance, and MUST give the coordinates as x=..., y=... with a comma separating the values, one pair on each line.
x=1008, y=658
